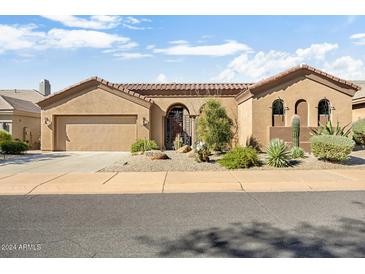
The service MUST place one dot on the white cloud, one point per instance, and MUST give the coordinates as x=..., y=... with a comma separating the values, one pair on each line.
x=161, y=78
x=228, y=48
x=178, y=42
x=346, y=67
x=131, y=55
x=18, y=37
x=61, y=38
x=99, y=22
x=150, y=47
x=177, y=60
x=93, y=22
x=27, y=38
x=253, y=67
x=359, y=39
x=316, y=51
x=133, y=23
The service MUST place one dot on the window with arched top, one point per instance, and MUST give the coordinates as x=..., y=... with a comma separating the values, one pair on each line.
x=324, y=111
x=278, y=113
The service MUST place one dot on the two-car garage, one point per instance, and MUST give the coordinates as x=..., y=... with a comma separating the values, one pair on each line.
x=94, y=115
x=95, y=133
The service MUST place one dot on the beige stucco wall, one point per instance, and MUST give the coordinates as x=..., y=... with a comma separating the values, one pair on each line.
x=358, y=112
x=96, y=100
x=193, y=104
x=245, y=122
x=302, y=88
x=30, y=121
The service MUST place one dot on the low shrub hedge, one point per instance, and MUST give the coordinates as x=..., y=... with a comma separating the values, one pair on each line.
x=240, y=157
x=331, y=147
x=143, y=145
x=4, y=136
x=13, y=147
x=358, y=132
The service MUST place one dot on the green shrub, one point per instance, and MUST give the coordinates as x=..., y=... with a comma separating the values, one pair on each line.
x=296, y=152
x=277, y=153
x=358, y=132
x=4, y=136
x=202, y=152
x=240, y=157
x=13, y=147
x=143, y=145
x=331, y=147
x=214, y=127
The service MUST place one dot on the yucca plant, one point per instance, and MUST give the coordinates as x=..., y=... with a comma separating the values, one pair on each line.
x=329, y=129
x=278, y=154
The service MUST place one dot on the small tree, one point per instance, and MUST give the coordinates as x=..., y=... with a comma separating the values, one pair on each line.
x=214, y=125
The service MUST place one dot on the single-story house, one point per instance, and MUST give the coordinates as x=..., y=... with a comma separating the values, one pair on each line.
x=358, y=102
x=99, y=115
x=20, y=115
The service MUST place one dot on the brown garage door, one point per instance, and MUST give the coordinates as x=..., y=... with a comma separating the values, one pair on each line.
x=95, y=133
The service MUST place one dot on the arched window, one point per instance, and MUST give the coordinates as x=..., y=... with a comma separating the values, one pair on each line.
x=324, y=111
x=278, y=113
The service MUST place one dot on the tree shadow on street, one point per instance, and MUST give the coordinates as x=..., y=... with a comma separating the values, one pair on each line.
x=258, y=239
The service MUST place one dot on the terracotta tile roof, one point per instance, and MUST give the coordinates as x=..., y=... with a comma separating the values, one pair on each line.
x=299, y=68
x=183, y=86
x=99, y=80
x=165, y=89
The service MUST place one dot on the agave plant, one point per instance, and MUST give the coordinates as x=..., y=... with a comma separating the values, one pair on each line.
x=278, y=154
x=329, y=129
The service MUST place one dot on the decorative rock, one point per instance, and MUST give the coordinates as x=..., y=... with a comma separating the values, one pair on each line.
x=160, y=156
x=184, y=149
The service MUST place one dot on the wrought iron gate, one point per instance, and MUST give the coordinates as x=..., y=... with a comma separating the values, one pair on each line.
x=177, y=123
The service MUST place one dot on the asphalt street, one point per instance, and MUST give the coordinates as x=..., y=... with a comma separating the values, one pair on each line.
x=303, y=224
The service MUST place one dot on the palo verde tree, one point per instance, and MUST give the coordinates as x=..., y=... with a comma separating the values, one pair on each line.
x=214, y=127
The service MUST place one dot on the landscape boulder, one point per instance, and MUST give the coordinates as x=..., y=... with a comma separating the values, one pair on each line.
x=184, y=149
x=160, y=156
x=157, y=155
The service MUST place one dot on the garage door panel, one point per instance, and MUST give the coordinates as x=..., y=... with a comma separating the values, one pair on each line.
x=95, y=133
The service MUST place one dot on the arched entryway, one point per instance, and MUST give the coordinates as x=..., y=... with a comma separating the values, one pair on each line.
x=178, y=122
x=301, y=109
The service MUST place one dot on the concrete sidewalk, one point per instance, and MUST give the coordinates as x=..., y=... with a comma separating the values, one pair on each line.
x=187, y=182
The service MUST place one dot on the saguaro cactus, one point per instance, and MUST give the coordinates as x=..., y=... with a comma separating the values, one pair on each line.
x=295, y=126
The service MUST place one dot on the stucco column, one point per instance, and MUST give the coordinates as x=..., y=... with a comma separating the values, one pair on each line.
x=193, y=128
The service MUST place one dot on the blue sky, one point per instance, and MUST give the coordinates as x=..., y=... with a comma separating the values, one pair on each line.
x=67, y=49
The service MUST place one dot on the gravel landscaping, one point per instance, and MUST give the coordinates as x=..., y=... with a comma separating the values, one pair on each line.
x=182, y=162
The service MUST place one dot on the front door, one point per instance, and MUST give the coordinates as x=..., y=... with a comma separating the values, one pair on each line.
x=178, y=123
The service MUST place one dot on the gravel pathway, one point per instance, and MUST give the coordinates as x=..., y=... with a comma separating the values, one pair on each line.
x=182, y=162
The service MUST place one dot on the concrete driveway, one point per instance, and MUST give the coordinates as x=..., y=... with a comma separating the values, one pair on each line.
x=55, y=162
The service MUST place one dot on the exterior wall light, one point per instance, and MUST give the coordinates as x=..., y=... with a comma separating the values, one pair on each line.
x=144, y=122
x=47, y=121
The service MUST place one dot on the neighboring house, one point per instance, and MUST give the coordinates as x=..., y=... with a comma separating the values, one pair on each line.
x=98, y=115
x=358, y=102
x=20, y=115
